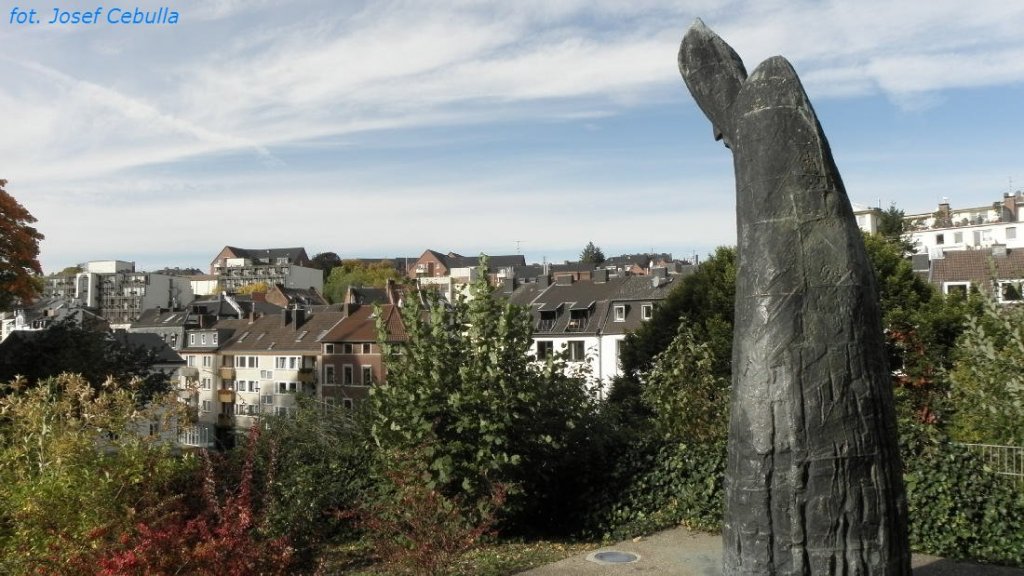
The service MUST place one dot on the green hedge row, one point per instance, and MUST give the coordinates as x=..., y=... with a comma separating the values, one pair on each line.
x=958, y=508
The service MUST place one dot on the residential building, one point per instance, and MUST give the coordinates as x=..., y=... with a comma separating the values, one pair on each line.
x=117, y=292
x=998, y=271
x=352, y=356
x=269, y=360
x=237, y=267
x=450, y=274
x=172, y=324
x=968, y=228
x=586, y=320
x=44, y=313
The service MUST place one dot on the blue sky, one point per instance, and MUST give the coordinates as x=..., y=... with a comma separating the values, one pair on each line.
x=384, y=128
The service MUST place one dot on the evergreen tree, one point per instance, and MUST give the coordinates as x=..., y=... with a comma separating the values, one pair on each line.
x=592, y=254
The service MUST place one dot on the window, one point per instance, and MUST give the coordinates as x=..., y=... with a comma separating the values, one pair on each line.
x=286, y=387
x=287, y=362
x=346, y=348
x=958, y=237
x=267, y=399
x=366, y=348
x=367, y=375
x=246, y=362
x=1010, y=291
x=202, y=338
x=620, y=313
x=646, y=311
x=266, y=374
x=213, y=338
x=329, y=374
x=1011, y=232
x=347, y=403
x=545, y=349
x=207, y=361
x=228, y=384
x=956, y=288
x=346, y=375
x=191, y=339
x=328, y=348
x=576, y=351
x=190, y=360
x=174, y=341
x=205, y=406
x=206, y=384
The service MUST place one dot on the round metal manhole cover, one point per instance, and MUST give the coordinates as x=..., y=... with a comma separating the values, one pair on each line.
x=613, y=557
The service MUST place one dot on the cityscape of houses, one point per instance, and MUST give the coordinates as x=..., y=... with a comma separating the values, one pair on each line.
x=238, y=354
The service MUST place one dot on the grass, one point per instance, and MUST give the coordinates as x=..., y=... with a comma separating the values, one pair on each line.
x=500, y=558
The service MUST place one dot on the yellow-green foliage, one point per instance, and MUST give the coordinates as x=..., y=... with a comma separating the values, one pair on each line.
x=75, y=470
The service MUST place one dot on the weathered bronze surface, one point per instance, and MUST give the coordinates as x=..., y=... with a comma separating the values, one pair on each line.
x=814, y=482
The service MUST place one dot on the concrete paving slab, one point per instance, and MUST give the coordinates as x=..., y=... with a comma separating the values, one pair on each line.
x=680, y=552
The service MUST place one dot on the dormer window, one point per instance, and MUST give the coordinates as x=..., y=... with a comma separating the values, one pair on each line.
x=620, y=313
x=647, y=311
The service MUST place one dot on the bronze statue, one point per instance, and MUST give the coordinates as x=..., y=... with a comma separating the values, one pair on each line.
x=814, y=480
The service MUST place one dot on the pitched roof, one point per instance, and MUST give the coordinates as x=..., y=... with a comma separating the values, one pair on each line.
x=361, y=325
x=283, y=333
x=977, y=267
x=294, y=255
x=153, y=342
x=558, y=302
x=501, y=261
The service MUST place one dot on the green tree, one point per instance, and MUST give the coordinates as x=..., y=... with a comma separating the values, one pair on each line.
x=592, y=254
x=19, y=252
x=360, y=274
x=254, y=288
x=325, y=261
x=77, y=470
x=688, y=400
x=705, y=300
x=463, y=391
x=988, y=378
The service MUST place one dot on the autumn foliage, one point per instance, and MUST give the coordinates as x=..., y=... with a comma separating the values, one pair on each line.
x=19, y=251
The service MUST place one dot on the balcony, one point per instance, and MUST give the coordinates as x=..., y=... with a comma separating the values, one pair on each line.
x=227, y=372
x=226, y=396
x=225, y=420
x=545, y=325
x=189, y=371
x=307, y=375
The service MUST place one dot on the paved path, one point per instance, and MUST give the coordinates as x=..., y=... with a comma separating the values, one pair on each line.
x=679, y=552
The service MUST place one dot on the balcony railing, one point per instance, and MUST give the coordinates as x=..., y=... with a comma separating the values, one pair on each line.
x=545, y=325
x=227, y=372
x=226, y=396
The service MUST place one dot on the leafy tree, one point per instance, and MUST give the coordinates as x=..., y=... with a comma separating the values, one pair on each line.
x=254, y=288
x=592, y=254
x=705, y=300
x=689, y=401
x=358, y=273
x=463, y=391
x=19, y=252
x=76, y=471
x=988, y=378
x=325, y=261
x=322, y=467
x=68, y=348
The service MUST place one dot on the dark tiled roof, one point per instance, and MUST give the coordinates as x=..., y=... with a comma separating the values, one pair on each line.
x=361, y=325
x=272, y=333
x=572, y=267
x=597, y=298
x=493, y=262
x=977, y=266
x=294, y=255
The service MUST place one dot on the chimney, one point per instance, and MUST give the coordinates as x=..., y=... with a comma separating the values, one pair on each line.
x=300, y=317
x=543, y=280
x=999, y=250
x=286, y=316
x=508, y=285
x=563, y=279
x=601, y=275
x=659, y=272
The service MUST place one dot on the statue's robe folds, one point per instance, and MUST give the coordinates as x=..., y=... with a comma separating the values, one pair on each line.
x=814, y=480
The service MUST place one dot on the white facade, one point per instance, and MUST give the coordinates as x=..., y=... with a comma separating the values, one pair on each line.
x=936, y=240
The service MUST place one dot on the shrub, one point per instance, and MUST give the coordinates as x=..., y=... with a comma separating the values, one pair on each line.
x=959, y=508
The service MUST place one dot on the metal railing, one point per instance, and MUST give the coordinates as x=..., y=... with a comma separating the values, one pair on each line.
x=1003, y=460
